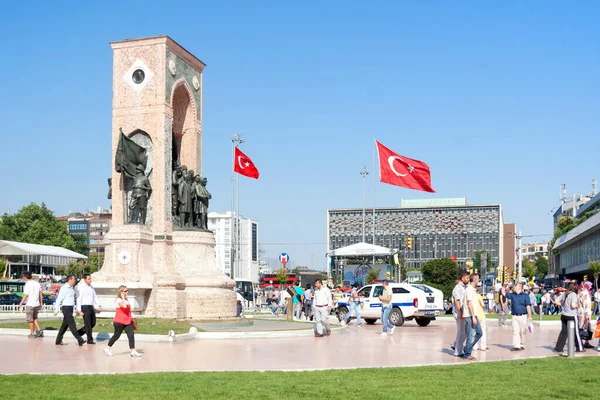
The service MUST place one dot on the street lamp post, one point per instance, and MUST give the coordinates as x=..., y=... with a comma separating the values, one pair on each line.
x=364, y=173
x=236, y=140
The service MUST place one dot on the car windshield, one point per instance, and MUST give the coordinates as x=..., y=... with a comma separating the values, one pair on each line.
x=423, y=288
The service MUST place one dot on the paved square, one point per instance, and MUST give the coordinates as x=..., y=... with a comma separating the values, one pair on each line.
x=351, y=347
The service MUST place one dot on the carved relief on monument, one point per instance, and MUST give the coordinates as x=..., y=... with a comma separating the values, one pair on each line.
x=133, y=160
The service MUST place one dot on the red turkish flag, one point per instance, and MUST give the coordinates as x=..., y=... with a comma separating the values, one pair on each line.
x=403, y=171
x=243, y=165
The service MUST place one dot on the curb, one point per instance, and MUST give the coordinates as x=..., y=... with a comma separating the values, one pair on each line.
x=105, y=336
x=193, y=334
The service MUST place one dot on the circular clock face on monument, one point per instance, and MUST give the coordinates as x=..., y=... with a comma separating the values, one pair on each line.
x=124, y=257
x=138, y=76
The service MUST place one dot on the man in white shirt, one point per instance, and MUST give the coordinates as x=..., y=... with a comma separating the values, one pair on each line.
x=472, y=325
x=86, y=301
x=458, y=296
x=597, y=302
x=322, y=302
x=32, y=297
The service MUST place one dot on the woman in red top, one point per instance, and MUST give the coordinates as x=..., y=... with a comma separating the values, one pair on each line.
x=122, y=322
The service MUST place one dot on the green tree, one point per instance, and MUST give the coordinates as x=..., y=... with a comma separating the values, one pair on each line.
x=281, y=275
x=594, y=267
x=324, y=277
x=37, y=224
x=372, y=276
x=296, y=271
x=442, y=271
x=564, y=222
x=541, y=265
x=529, y=269
x=82, y=267
x=2, y=267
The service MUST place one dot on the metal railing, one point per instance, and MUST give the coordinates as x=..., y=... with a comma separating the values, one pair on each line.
x=16, y=309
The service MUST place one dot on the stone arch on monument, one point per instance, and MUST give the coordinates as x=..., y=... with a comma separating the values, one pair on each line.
x=184, y=129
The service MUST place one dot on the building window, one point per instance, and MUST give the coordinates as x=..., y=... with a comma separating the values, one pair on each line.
x=254, y=242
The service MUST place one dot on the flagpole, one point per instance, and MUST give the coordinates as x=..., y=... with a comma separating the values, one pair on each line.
x=236, y=140
x=374, y=181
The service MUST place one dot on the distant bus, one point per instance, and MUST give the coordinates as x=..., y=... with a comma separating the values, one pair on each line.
x=14, y=285
x=271, y=280
x=246, y=288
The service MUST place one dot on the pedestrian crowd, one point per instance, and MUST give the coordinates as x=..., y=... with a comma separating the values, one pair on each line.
x=80, y=300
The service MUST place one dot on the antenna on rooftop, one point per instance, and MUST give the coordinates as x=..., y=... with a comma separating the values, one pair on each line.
x=563, y=192
x=594, y=183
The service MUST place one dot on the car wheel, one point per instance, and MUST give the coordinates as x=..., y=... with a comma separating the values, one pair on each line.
x=396, y=317
x=341, y=314
x=423, y=321
x=370, y=321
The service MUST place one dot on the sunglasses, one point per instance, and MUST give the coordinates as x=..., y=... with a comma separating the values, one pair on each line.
x=125, y=291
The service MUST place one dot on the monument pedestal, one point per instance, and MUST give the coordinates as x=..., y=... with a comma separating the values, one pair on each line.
x=184, y=282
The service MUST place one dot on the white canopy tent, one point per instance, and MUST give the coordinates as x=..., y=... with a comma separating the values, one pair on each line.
x=37, y=258
x=361, y=249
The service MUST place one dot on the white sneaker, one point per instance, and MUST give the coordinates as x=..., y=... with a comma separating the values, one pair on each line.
x=108, y=352
x=134, y=353
x=392, y=329
x=343, y=323
x=383, y=334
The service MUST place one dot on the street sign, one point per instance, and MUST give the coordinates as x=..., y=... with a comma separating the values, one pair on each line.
x=284, y=258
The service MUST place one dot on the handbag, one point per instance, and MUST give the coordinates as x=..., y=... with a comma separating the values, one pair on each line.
x=584, y=334
x=134, y=323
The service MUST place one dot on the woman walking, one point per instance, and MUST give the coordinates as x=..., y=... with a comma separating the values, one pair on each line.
x=123, y=321
x=569, y=303
x=585, y=312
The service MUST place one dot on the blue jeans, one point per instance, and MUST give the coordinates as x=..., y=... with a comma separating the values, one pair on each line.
x=474, y=333
x=385, y=318
x=356, y=308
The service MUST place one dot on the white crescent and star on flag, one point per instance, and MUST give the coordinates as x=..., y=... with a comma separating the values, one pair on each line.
x=242, y=159
x=391, y=159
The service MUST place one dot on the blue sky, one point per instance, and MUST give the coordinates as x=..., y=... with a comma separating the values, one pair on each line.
x=499, y=98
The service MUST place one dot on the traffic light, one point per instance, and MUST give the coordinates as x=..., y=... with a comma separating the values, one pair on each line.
x=409, y=243
x=514, y=275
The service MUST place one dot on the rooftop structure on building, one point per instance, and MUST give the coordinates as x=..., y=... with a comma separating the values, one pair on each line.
x=573, y=251
x=37, y=258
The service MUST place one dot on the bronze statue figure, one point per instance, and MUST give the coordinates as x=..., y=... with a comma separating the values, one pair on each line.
x=176, y=176
x=201, y=199
x=139, y=197
x=185, y=200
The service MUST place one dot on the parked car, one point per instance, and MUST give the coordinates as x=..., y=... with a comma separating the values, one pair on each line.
x=409, y=301
x=48, y=298
x=9, y=299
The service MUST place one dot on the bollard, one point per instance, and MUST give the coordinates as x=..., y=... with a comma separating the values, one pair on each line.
x=571, y=340
x=290, y=309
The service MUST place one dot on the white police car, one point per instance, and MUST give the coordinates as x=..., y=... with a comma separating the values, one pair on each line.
x=409, y=301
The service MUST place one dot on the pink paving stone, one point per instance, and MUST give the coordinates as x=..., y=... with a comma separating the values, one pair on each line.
x=351, y=348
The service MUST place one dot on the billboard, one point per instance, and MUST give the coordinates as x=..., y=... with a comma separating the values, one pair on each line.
x=358, y=272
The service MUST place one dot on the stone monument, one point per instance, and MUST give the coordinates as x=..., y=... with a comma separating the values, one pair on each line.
x=158, y=244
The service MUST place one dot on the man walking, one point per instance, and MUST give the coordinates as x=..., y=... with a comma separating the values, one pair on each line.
x=65, y=302
x=472, y=325
x=297, y=301
x=86, y=301
x=503, y=306
x=32, y=297
x=520, y=307
x=458, y=295
x=386, y=308
x=354, y=305
x=323, y=303
x=597, y=301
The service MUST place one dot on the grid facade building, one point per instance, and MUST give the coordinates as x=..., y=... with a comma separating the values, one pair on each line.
x=437, y=230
